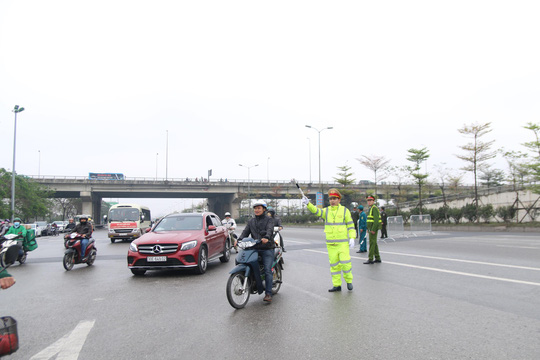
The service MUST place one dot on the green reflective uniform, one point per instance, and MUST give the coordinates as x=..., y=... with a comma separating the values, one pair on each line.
x=373, y=225
x=339, y=228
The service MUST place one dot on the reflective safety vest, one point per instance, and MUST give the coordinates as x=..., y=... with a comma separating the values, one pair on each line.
x=339, y=225
x=374, y=221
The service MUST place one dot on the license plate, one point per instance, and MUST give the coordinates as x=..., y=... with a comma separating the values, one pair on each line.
x=156, y=258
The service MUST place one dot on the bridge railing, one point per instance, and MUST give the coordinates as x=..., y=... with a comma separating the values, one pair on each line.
x=482, y=191
x=184, y=180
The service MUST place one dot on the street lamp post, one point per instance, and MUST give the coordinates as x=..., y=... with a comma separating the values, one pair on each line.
x=249, y=191
x=16, y=110
x=39, y=163
x=319, y=131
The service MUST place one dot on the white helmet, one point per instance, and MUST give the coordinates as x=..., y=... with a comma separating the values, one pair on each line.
x=260, y=203
x=227, y=214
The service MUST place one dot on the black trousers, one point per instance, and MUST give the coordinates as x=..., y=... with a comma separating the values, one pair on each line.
x=384, y=234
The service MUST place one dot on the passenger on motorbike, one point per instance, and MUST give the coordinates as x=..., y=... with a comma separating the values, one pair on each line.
x=70, y=226
x=230, y=225
x=85, y=229
x=261, y=227
x=277, y=222
x=18, y=230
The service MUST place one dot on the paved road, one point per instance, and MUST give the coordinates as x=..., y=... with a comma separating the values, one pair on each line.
x=442, y=296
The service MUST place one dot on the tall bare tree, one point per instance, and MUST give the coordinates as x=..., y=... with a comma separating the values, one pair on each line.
x=477, y=153
x=375, y=164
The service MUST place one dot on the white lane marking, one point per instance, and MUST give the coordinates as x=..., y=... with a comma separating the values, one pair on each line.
x=519, y=247
x=69, y=346
x=297, y=242
x=461, y=260
x=316, y=296
x=445, y=271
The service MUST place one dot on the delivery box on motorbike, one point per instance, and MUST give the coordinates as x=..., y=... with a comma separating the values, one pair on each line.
x=29, y=242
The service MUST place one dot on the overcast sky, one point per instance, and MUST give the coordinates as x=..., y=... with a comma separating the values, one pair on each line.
x=237, y=81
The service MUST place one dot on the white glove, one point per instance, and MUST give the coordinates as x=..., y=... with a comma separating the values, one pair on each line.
x=351, y=243
x=305, y=200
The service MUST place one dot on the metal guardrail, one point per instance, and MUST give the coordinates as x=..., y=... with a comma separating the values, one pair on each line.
x=463, y=195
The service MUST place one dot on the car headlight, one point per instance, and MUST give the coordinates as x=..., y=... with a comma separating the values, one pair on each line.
x=133, y=247
x=188, y=245
x=111, y=230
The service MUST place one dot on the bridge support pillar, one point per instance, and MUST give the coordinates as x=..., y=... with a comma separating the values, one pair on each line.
x=223, y=203
x=96, y=214
x=86, y=198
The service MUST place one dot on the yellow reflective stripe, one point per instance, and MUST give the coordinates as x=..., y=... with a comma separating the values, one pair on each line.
x=335, y=224
x=336, y=273
x=347, y=271
x=336, y=241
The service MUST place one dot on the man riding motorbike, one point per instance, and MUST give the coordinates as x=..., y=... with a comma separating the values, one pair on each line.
x=261, y=227
x=18, y=230
x=85, y=229
x=230, y=225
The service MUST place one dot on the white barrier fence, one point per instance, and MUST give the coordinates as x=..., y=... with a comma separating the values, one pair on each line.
x=395, y=227
x=420, y=224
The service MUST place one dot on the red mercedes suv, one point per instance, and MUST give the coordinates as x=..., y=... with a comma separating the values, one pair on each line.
x=180, y=241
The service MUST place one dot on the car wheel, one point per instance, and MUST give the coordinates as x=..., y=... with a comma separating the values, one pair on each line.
x=203, y=260
x=113, y=240
x=226, y=252
x=138, y=272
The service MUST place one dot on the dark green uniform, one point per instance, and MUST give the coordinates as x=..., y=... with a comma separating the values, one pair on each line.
x=373, y=225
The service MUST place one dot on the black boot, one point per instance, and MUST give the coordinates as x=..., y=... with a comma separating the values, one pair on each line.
x=334, y=289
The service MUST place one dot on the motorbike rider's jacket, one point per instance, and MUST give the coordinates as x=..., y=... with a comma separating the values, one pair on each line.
x=70, y=226
x=259, y=227
x=83, y=229
x=4, y=274
x=21, y=230
x=229, y=224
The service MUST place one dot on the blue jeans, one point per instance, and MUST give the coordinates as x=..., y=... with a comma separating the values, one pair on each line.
x=267, y=259
x=84, y=244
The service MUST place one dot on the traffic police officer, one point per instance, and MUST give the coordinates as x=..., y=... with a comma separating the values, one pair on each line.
x=340, y=235
x=373, y=226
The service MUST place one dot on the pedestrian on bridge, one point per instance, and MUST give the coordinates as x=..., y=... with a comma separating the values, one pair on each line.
x=340, y=236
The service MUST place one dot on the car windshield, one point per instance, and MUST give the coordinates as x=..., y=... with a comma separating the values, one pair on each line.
x=41, y=223
x=59, y=223
x=125, y=214
x=178, y=223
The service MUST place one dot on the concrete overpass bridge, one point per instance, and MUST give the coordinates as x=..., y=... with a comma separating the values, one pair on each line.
x=222, y=195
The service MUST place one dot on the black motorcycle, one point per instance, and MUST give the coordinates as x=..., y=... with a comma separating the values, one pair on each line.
x=248, y=275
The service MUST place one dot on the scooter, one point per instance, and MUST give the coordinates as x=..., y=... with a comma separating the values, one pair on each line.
x=248, y=275
x=11, y=240
x=9, y=339
x=233, y=238
x=72, y=255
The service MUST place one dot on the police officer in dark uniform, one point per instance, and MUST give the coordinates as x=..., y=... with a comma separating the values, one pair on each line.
x=384, y=222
